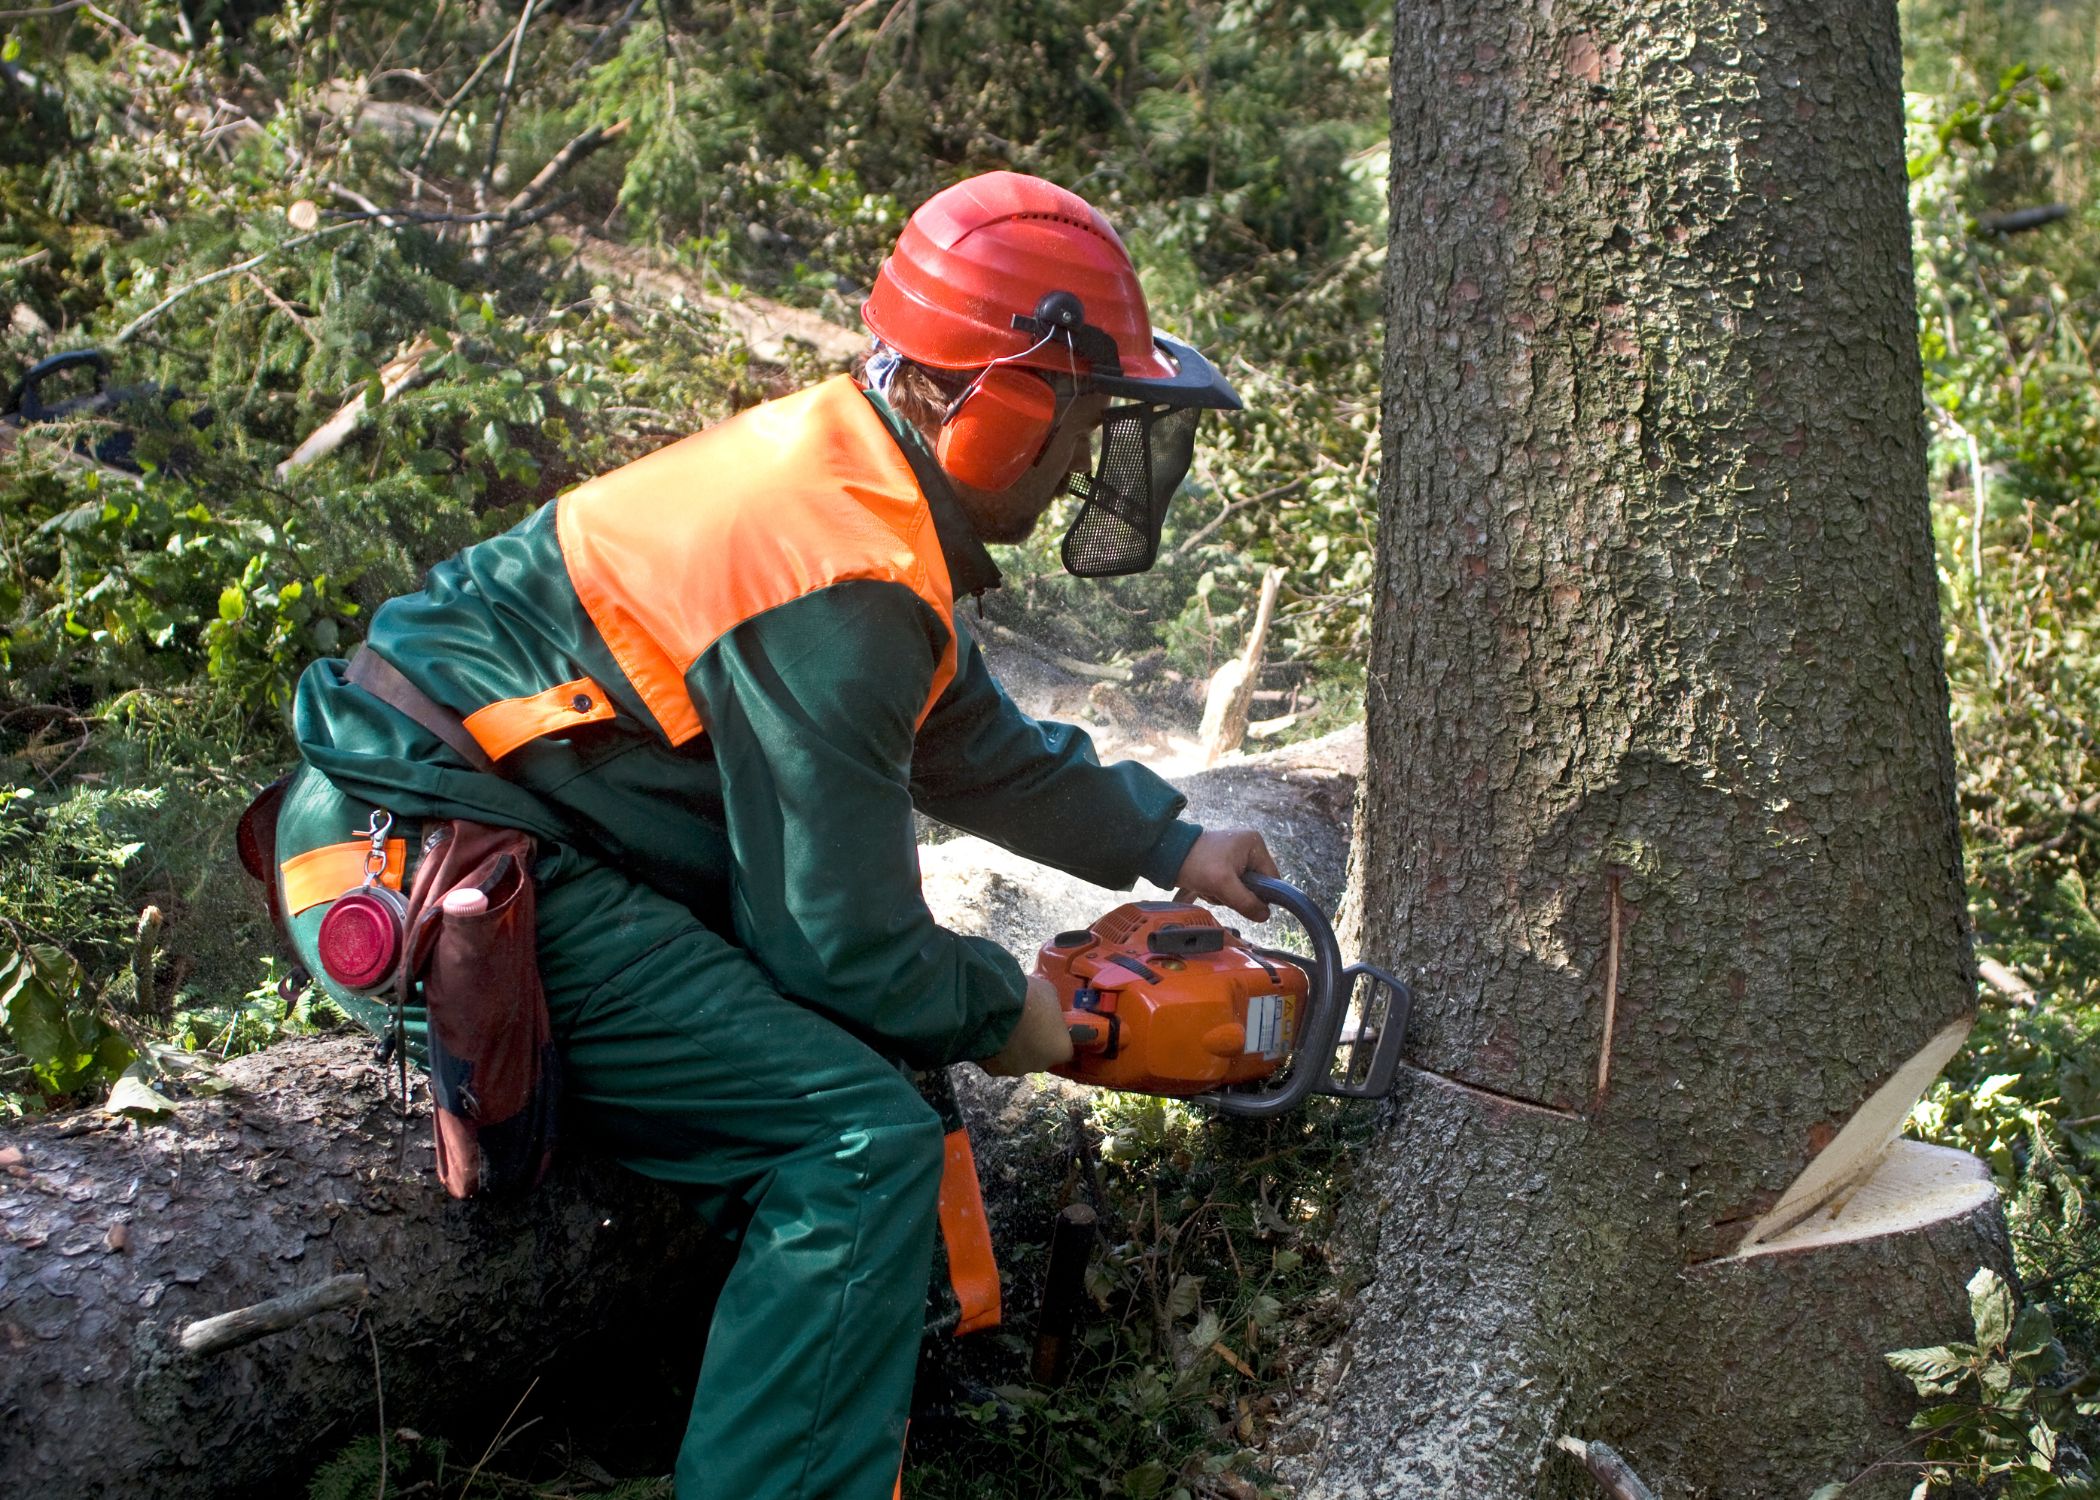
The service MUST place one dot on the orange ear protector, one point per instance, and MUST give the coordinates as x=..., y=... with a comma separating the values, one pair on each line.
x=997, y=428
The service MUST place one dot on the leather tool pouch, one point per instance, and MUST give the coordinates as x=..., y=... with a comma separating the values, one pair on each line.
x=495, y=1076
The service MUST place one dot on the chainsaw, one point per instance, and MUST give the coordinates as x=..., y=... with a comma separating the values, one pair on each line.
x=1161, y=998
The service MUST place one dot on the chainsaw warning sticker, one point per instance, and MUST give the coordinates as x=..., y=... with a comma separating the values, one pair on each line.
x=1265, y=1025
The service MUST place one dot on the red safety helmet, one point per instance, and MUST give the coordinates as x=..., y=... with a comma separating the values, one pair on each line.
x=1007, y=271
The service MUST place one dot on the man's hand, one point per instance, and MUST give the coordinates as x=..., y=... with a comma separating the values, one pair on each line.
x=1214, y=865
x=1039, y=1040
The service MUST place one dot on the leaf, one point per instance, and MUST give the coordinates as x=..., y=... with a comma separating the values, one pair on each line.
x=2032, y=1332
x=1185, y=1297
x=1206, y=1331
x=1828, y=1492
x=1991, y=1304
x=1145, y=1481
x=135, y=1095
x=1929, y=1369
x=232, y=603
x=43, y=981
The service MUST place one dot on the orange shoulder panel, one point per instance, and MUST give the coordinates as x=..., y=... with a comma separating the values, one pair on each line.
x=673, y=551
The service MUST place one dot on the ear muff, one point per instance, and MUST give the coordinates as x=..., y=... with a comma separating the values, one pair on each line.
x=997, y=430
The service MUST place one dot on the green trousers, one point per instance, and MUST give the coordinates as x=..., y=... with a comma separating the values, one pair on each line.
x=795, y=1137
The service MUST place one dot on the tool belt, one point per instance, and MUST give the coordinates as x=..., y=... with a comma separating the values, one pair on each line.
x=467, y=936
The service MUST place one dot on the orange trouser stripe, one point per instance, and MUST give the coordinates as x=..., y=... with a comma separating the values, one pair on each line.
x=971, y=1268
x=327, y=872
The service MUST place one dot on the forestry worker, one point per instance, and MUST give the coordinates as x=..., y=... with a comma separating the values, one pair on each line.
x=712, y=686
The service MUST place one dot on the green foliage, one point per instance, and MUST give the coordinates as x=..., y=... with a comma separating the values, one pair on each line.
x=51, y=1023
x=1999, y=1411
x=2008, y=324
x=266, y=1014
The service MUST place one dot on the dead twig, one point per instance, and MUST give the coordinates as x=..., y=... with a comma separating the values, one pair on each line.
x=378, y=1395
x=42, y=10
x=526, y=208
x=503, y=1435
x=359, y=201
x=503, y=92
x=1070, y=664
x=1202, y=533
x=299, y=319
x=209, y=1336
x=404, y=371
x=1608, y=1469
x=845, y=23
x=152, y=314
x=445, y=110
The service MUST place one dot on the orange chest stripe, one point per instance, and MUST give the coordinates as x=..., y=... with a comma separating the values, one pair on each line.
x=675, y=550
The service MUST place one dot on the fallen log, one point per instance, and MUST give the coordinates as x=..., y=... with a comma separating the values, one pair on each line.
x=115, y=1242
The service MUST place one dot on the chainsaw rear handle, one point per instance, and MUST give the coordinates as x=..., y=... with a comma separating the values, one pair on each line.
x=1329, y=986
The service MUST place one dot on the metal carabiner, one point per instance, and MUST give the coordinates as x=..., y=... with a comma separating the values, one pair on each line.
x=376, y=829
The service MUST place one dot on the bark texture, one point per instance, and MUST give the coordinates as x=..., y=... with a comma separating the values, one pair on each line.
x=115, y=1239
x=1660, y=811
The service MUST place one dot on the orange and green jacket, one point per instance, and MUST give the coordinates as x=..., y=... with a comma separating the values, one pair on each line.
x=733, y=669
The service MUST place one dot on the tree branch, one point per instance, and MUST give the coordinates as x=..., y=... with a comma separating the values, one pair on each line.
x=1608, y=1469
x=510, y=78
x=403, y=372
x=209, y=1336
x=152, y=314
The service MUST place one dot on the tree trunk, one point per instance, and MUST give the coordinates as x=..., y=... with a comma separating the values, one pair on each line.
x=1659, y=812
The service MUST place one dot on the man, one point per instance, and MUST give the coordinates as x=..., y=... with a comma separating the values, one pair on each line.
x=714, y=684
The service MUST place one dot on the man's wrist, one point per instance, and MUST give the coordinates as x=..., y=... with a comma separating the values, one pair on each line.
x=1162, y=865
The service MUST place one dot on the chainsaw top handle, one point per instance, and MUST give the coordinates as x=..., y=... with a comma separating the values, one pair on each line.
x=1330, y=986
x=1321, y=1026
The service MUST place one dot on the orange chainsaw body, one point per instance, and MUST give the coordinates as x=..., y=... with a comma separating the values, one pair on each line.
x=1162, y=999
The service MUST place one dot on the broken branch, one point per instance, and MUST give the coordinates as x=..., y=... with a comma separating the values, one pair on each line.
x=404, y=371
x=152, y=314
x=1608, y=1469
x=209, y=1336
x=526, y=207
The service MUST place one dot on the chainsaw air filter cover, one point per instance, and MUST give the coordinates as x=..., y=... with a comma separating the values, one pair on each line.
x=1163, y=1000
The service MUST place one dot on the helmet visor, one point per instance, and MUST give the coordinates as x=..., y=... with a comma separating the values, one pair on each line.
x=1145, y=454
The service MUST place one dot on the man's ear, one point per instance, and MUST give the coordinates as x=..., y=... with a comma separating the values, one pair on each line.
x=997, y=429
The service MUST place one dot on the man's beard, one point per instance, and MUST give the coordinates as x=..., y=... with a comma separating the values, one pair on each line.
x=1007, y=519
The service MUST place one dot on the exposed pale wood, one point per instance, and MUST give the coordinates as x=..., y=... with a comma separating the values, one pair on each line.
x=244, y=1325
x=1232, y=685
x=404, y=371
x=1858, y=1148
x=1608, y=1469
x=2006, y=982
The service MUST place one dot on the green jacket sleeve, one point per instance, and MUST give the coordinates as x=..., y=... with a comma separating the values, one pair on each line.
x=810, y=710
x=1036, y=788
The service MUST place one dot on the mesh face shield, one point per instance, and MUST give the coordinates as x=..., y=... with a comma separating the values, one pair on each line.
x=1145, y=454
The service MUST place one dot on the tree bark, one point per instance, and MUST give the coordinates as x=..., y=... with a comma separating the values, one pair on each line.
x=117, y=1240
x=1659, y=811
